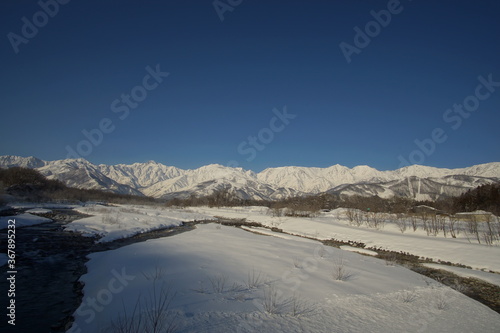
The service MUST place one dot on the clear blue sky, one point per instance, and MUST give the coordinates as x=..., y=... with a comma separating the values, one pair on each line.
x=226, y=77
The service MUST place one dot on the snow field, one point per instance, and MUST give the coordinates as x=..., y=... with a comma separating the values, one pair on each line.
x=492, y=278
x=224, y=279
x=336, y=225
x=120, y=221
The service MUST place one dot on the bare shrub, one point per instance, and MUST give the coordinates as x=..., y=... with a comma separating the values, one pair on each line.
x=276, y=212
x=300, y=307
x=441, y=224
x=441, y=302
x=110, y=218
x=271, y=303
x=157, y=274
x=296, y=262
x=454, y=231
x=490, y=235
x=460, y=287
x=473, y=228
x=433, y=226
x=340, y=272
x=322, y=252
x=151, y=315
x=236, y=287
x=218, y=283
x=254, y=279
x=349, y=213
x=425, y=221
x=201, y=289
x=358, y=218
x=408, y=296
x=131, y=210
x=374, y=220
x=414, y=222
x=391, y=259
x=401, y=223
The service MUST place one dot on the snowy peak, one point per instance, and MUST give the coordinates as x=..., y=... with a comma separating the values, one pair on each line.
x=10, y=161
x=161, y=181
x=315, y=180
x=140, y=175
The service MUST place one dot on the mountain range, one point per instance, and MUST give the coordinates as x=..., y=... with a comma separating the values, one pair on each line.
x=161, y=181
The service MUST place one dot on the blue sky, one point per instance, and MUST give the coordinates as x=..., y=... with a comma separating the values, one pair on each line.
x=386, y=108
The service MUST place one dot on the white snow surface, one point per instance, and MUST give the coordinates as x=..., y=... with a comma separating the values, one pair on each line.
x=121, y=221
x=492, y=278
x=22, y=220
x=358, y=250
x=38, y=211
x=221, y=278
x=335, y=225
x=43, y=205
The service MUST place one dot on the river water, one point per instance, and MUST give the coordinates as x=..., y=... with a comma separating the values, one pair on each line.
x=49, y=263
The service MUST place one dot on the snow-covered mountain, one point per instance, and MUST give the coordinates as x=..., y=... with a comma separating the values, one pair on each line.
x=415, y=187
x=18, y=161
x=140, y=175
x=80, y=173
x=315, y=180
x=161, y=181
x=209, y=178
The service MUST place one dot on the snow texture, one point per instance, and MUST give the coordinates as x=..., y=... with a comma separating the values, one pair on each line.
x=224, y=279
x=114, y=222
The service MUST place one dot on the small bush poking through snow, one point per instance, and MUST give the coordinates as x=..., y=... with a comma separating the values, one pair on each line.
x=110, y=218
x=254, y=279
x=441, y=302
x=408, y=296
x=201, y=289
x=340, y=273
x=149, y=315
x=271, y=303
x=300, y=307
x=218, y=283
x=296, y=262
x=158, y=273
x=460, y=287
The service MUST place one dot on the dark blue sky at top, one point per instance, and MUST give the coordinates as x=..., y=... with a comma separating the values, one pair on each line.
x=226, y=77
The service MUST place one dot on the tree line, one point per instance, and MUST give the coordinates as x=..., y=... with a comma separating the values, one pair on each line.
x=31, y=185
x=484, y=197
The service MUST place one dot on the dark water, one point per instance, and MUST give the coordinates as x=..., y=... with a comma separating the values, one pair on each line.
x=49, y=263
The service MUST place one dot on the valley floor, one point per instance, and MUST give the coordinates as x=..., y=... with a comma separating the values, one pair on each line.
x=224, y=279
x=335, y=225
x=217, y=278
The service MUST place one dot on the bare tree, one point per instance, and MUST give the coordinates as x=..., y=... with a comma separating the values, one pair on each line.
x=401, y=222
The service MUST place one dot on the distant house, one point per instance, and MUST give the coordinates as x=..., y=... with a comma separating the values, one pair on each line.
x=478, y=216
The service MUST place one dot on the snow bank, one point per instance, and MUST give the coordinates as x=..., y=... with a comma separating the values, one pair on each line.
x=358, y=250
x=114, y=222
x=39, y=211
x=48, y=205
x=22, y=220
x=336, y=225
x=492, y=278
x=223, y=279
